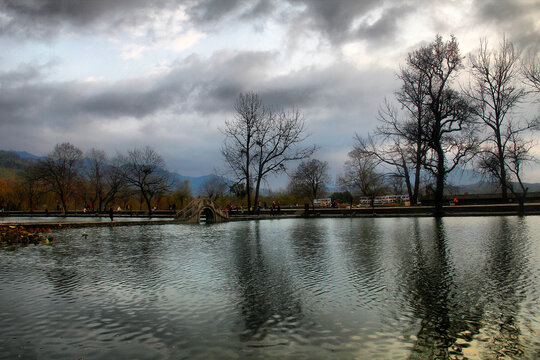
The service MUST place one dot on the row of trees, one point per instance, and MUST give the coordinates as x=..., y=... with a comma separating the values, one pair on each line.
x=439, y=126
x=96, y=179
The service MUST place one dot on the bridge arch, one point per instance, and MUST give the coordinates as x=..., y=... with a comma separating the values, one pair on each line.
x=202, y=207
x=208, y=214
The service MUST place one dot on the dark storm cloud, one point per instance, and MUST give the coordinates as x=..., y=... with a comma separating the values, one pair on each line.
x=383, y=30
x=45, y=18
x=518, y=20
x=194, y=85
x=25, y=73
x=335, y=20
x=203, y=86
x=339, y=21
x=212, y=11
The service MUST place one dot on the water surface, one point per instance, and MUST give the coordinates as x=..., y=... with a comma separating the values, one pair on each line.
x=290, y=288
x=74, y=219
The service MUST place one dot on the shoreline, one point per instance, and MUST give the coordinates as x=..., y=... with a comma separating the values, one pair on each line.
x=377, y=212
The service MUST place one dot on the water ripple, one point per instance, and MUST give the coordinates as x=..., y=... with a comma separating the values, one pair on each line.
x=314, y=288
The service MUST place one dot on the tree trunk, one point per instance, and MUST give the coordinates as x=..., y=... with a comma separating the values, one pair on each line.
x=502, y=170
x=439, y=190
x=148, y=201
x=64, y=207
x=256, y=199
x=408, y=183
x=521, y=199
x=521, y=207
x=414, y=196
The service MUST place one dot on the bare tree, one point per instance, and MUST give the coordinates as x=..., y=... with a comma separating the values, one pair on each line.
x=214, y=188
x=144, y=169
x=95, y=170
x=408, y=135
x=399, y=141
x=495, y=92
x=309, y=179
x=448, y=129
x=182, y=193
x=399, y=144
x=518, y=153
x=61, y=169
x=105, y=177
x=260, y=141
x=239, y=138
x=361, y=175
x=531, y=70
x=277, y=142
x=114, y=182
x=32, y=185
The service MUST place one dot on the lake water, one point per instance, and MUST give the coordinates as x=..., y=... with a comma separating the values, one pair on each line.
x=389, y=288
x=73, y=219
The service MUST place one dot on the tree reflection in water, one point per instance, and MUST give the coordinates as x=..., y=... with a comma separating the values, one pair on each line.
x=267, y=300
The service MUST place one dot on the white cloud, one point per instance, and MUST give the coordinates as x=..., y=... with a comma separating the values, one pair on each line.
x=132, y=51
x=164, y=29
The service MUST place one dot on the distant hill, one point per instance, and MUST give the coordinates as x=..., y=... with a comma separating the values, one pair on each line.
x=484, y=187
x=25, y=155
x=11, y=163
x=460, y=177
x=196, y=182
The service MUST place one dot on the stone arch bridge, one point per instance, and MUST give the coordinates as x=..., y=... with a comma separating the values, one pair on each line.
x=202, y=207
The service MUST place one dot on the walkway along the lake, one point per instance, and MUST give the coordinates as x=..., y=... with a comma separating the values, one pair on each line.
x=406, y=211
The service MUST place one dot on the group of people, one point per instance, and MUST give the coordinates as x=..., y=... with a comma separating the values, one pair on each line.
x=275, y=208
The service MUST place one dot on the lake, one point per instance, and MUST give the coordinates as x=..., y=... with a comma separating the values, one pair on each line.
x=351, y=288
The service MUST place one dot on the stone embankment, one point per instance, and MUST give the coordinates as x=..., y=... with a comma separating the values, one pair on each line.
x=382, y=211
x=395, y=211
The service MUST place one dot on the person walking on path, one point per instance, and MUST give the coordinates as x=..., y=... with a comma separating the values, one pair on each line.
x=111, y=213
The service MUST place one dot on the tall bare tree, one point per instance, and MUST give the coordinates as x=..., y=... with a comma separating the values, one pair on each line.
x=449, y=129
x=32, y=185
x=144, y=169
x=518, y=153
x=61, y=170
x=496, y=91
x=398, y=143
x=309, y=179
x=277, y=142
x=114, y=182
x=409, y=134
x=95, y=171
x=260, y=142
x=237, y=149
x=105, y=177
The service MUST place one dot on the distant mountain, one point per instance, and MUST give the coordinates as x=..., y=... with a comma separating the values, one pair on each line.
x=484, y=187
x=461, y=176
x=26, y=155
x=196, y=182
x=11, y=163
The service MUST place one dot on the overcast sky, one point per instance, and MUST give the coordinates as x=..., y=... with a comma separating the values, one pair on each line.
x=116, y=74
